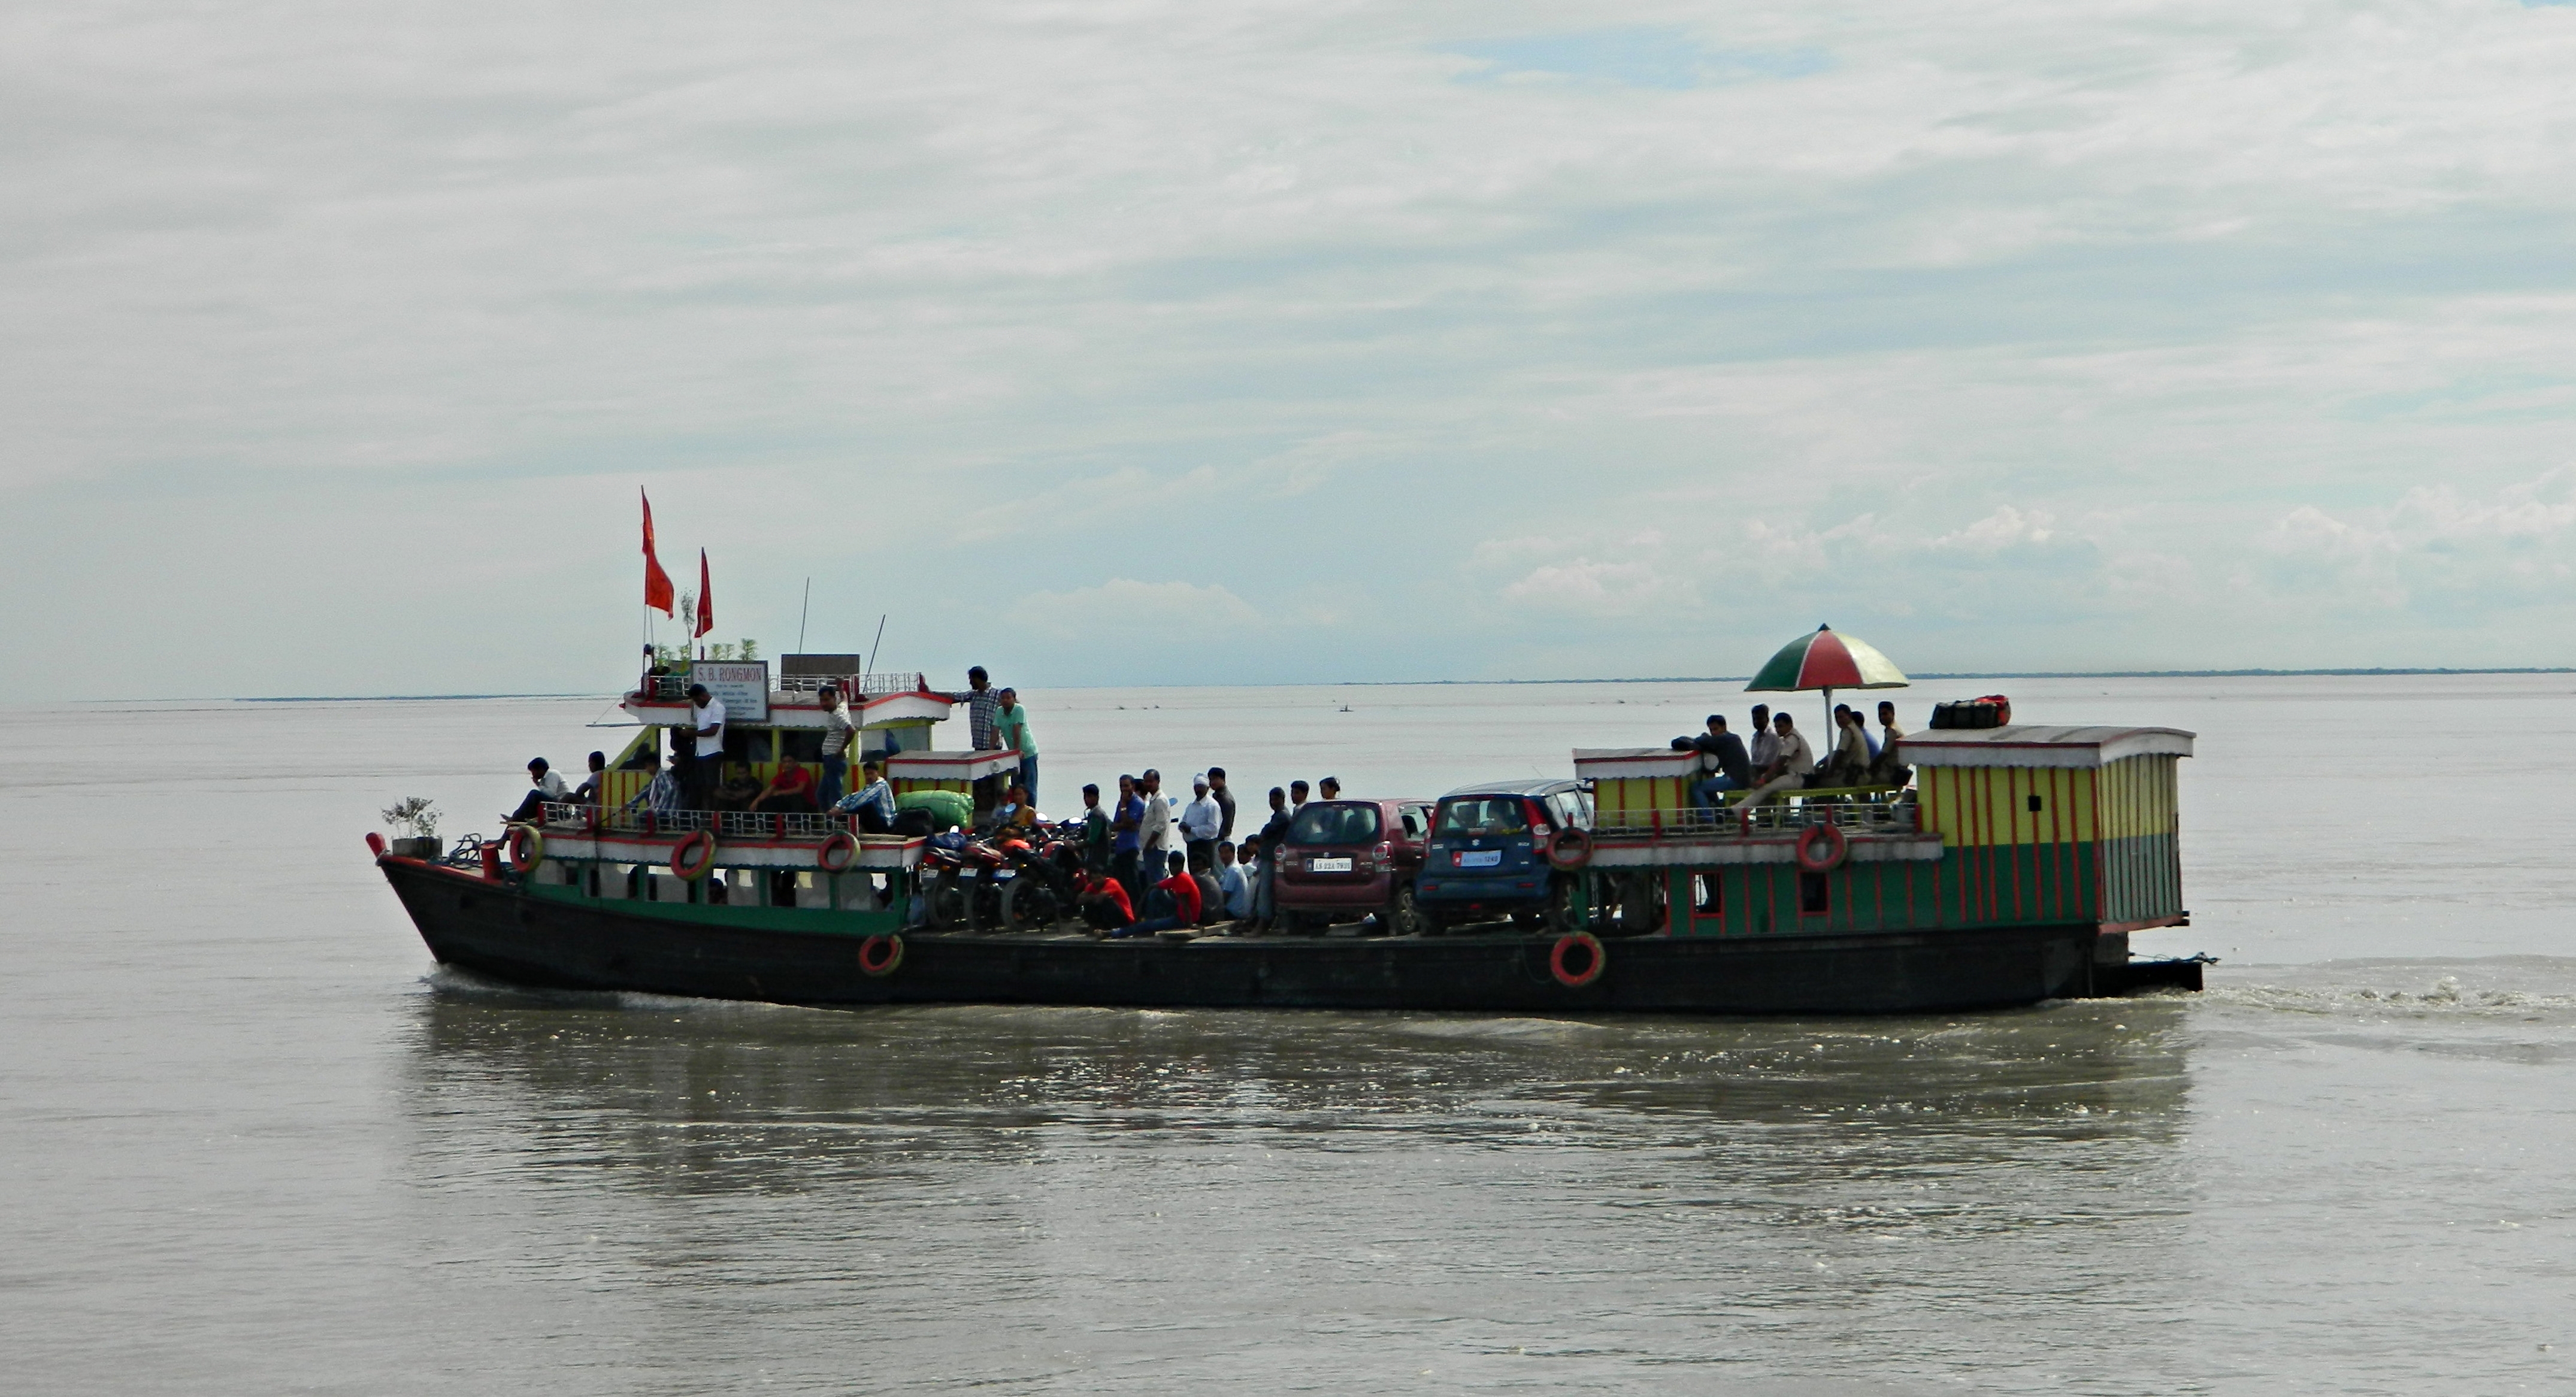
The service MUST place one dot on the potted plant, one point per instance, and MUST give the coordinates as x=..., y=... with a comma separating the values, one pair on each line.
x=417, y=815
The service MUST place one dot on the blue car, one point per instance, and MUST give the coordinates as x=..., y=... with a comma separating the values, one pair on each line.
x=1487, y=856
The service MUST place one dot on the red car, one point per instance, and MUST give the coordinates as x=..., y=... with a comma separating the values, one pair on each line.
x=1344, y=859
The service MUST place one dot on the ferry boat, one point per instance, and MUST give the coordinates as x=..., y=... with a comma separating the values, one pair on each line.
x=2011, y=870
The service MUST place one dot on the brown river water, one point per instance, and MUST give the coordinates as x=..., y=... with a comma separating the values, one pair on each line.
x=253, y=1141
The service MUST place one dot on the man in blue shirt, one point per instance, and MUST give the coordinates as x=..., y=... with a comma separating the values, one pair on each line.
x=872, y=803
x=1124, y=823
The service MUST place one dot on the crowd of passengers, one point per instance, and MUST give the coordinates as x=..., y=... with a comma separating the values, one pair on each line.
x=1149, y=862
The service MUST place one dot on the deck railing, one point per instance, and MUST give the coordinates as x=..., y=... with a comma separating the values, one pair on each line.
x=1771, y=821
x=727, y=824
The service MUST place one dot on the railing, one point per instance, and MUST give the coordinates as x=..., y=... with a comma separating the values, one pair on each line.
x=727, y=824
x=1772, y=821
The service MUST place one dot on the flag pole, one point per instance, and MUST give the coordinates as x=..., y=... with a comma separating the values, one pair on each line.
x=801, y=613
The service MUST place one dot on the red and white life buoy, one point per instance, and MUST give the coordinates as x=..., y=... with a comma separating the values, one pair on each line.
x=1595, y=960
x=693, y=856
x=838, y=852
x=526, y=846
x=880, y=955
x=1822, y=848
x=1570, y=849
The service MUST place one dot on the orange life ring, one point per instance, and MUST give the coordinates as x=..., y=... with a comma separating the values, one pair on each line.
x=838, y=852
x=1835, y=848
x=526, y=846
x=1575, y=980
x=1570, y=849
x=879, y=955
x=694, y=869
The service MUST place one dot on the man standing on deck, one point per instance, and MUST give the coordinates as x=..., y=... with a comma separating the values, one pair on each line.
x=707, y=725
x=1153, y=828
x=982, y=705
x=1095, y=831
x=836, y=745
x=1201, y=821
x=1123, y=824
x=1296, y=796
x=1011, y=730
x=1224, y=802
x=1265, y=903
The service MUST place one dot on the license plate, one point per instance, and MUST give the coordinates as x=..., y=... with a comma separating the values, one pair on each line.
x=1328, y=865
x=1480, y=858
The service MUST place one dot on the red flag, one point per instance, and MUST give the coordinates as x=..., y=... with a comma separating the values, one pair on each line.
x=706, y=597
x=657, y=583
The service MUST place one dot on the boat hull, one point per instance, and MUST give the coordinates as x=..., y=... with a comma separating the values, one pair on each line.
x=496, y=929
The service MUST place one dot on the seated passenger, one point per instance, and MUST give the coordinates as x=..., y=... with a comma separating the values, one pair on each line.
x=1234, y=879
x=739, y=789
x=548, y=787
x=1849, y=765
x=1889, y=769
x=1173, y=904
x=587, y=793
x=873, y=803
x=1788, y=771
x=790, y=789
x=1104, y=904
x=1734, y=768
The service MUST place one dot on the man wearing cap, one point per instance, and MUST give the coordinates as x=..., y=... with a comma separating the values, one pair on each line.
x=1202, y=824
x=1011, y=730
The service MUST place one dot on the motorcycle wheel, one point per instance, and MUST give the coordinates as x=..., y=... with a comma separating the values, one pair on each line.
x=947, y=902
x=1028, y=904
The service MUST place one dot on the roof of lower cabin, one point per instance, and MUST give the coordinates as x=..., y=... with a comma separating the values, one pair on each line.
x=2033, y=744
x=1615, y=763
x=1523, y=787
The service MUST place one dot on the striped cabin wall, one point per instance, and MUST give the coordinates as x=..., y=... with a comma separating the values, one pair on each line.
x=1634, y=801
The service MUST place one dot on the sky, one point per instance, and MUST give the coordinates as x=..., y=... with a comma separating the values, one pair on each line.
x=1142, y=343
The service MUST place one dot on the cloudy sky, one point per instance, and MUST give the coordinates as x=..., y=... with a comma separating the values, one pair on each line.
x=1149, y=343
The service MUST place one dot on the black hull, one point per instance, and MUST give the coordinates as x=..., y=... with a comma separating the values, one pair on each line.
x=492, y=929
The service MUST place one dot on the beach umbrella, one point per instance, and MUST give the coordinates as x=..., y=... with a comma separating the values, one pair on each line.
x=1827, y=660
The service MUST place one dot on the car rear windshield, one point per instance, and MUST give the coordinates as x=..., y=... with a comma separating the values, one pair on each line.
x=1334, y=824
x=1475, y=815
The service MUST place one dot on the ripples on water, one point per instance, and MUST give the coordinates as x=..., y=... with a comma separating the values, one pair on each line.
x=250, y=1149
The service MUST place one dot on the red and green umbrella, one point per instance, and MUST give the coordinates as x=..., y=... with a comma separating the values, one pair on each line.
x=1827, y=660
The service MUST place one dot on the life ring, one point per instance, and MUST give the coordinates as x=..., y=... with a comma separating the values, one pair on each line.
x=838, y=852
x=1575, y=980
x=526, y=846
x=879, y=955
x=1822, y=848
x=1570, y=849
x=694, y=869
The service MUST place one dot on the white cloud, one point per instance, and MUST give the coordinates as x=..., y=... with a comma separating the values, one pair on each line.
x=2027, y=335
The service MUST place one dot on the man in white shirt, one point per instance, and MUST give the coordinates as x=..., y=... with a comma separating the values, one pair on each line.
x=1200, y=821
x=1765, y=747
x=707, y=721
x=836, y=746
x=1788, y=770
x=1154, y=835
x=548, y=787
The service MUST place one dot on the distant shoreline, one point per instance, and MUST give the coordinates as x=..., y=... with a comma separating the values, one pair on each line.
x=2359, y=673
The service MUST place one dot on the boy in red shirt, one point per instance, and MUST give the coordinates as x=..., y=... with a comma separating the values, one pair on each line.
x=1104, y=904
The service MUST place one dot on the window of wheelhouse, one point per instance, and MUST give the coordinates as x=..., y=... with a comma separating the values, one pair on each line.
x=1708, y=894
x=1815, y=898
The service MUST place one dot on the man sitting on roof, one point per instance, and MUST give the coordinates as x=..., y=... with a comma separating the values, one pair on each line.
x=1788, y=771
x=1849, y=765
x=548, y=787
x=1734, y=768
x=1889, y=769
x=872, y=803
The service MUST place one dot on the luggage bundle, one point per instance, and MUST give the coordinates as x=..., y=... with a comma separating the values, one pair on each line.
x=1992, y=711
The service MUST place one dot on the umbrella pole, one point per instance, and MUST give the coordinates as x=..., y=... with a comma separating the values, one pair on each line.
x=1828, y=732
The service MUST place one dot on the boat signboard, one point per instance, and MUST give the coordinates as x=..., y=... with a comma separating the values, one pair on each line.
x=742, y=684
